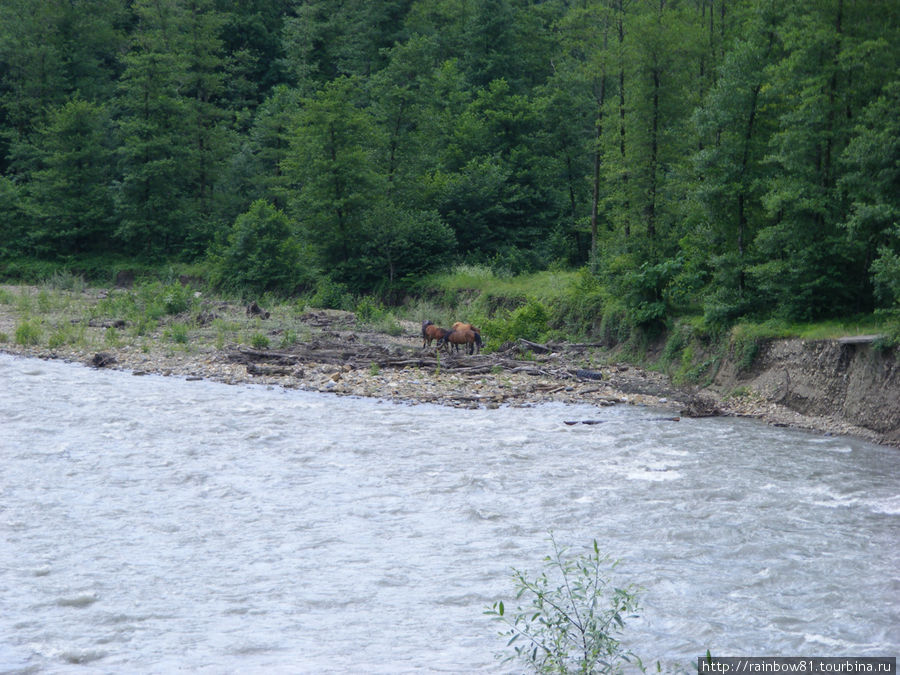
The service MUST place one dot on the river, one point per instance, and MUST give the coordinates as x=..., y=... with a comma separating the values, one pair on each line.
x=154, y=524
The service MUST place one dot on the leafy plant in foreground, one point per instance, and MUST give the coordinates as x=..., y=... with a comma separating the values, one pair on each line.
x=572, y=617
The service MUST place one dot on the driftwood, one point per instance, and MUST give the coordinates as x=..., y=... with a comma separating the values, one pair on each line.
x=363, y=356
x=534, y=346
x=253, y=369
x=254, y=309
x=105, y=323
x=700, y=407
x=103, y=359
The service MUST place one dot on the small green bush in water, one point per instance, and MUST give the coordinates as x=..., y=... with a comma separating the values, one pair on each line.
x=572, y=616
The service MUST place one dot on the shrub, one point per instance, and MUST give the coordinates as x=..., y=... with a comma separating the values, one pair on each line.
x=368, y=309
x=288, y=338
x=111, y=337
x=176, y=298
x=64, y=280
x=28, y=334
x=177, y=332
x=57, y=339
x=331, y=295
x=259, y=341
x=529, y=321
x=261, y=254
x=572, y=617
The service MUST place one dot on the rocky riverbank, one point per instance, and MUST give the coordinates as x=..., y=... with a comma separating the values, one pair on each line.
x=329, y=351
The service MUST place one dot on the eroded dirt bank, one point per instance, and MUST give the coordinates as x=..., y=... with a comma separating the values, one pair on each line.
x=829, y=387
x=830, y=384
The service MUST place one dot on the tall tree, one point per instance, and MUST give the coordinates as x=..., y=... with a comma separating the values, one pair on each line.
x=734, y=129
x=69, y=196
x=48, y=52
x=586, y=65
x=872, y=182
x=812, y=267
x=173, y=141
x=657, y=43
x=326, y=40
x=332, y=161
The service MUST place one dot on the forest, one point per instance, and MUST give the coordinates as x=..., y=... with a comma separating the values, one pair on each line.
x=719, y=158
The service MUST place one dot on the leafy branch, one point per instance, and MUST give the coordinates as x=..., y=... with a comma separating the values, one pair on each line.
x=572, y=615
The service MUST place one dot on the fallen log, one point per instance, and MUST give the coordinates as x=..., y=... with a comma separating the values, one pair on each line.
x=534, y=346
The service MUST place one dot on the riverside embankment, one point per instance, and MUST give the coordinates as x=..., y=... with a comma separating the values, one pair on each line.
x=826, y=386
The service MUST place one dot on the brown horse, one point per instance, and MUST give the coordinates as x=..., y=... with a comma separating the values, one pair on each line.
x=431, y=332
x=469, y=338
x=459, y=325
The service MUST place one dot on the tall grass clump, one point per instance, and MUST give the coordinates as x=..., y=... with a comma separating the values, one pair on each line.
x=147, y=303
x=178, y=333
x=28, y=333
x=64, y=280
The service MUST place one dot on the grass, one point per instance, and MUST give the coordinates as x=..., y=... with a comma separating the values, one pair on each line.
x=545, y=286
x=557, y=304
x=29, y=333
x=869, y=324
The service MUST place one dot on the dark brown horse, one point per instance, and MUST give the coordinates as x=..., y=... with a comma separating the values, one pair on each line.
x=431, y=332
x=469, y=338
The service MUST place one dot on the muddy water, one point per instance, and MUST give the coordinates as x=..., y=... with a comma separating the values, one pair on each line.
x=149, y=524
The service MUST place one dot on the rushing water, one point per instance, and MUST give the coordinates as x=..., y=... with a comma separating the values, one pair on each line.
x=152, y=524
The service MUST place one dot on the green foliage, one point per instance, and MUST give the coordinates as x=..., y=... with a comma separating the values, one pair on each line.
x=65, y=280
x=178, y=333
x=288, y=339
x=886, y=275
x=261, y=254
x=614, y=326
x=368, y=309
x=144, y=305
x=529, y=321
x=646, y=294
x=28, y=333
x=259, y=341
x=579, y=310
x=69, y=197
x=332, y=161
x=66, y=334
x=739, y=163
x=572, y=616
x=111, y=337
x=331, y=294
x=400, y=247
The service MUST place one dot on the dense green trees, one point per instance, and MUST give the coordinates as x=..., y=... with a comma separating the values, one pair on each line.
x=729, y=157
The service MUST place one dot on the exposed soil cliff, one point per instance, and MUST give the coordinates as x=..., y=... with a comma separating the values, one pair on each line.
x=846, y=383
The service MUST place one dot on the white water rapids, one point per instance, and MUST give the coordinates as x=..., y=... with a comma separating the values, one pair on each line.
x=152, y=524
